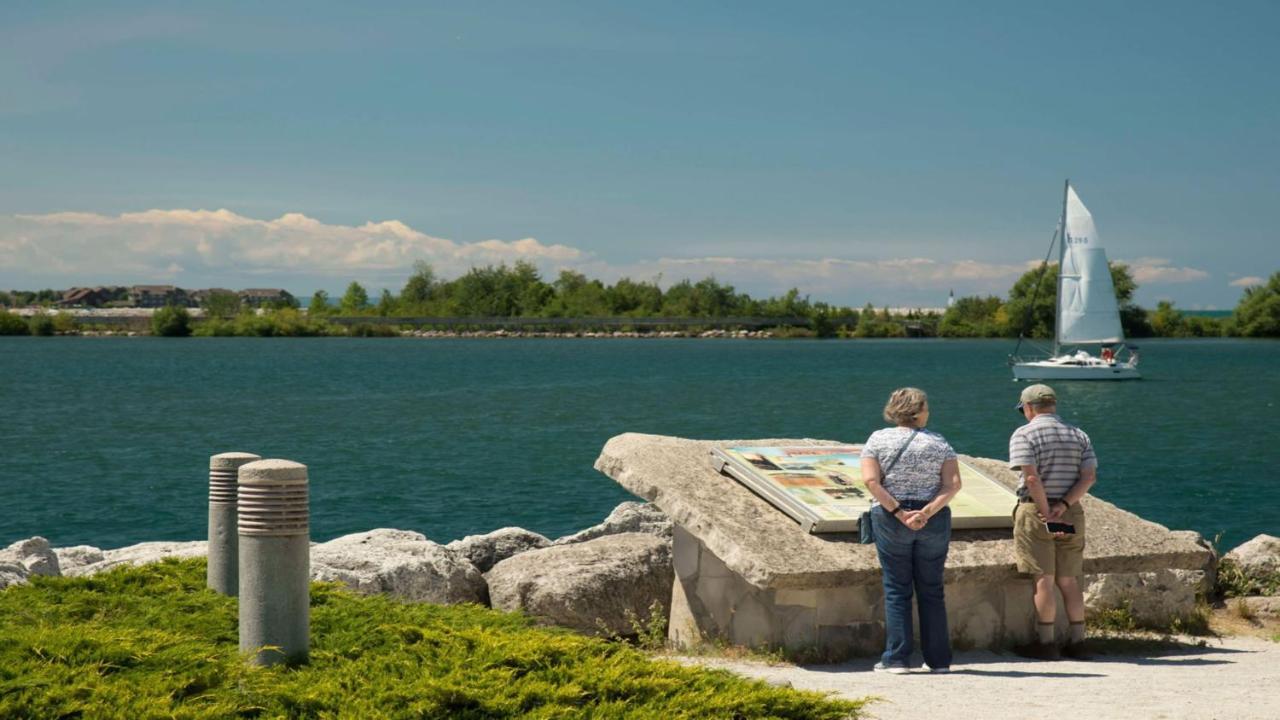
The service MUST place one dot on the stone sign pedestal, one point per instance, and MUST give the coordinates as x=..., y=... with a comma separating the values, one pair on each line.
x=745, y=573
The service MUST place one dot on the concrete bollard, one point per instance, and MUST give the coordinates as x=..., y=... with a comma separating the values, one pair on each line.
x=275, y=562
x=223, y=549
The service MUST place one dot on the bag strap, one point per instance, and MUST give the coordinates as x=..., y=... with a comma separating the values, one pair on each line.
x=894, y=461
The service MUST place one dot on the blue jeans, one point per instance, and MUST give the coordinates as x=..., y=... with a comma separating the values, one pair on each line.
x=911, y=560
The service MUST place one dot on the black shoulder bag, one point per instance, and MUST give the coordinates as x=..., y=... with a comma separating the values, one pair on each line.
x=865, y=534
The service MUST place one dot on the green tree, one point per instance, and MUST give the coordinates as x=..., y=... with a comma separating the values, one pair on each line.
x=387, y=304
x=171, y=321
x=41, y=324
x=972, y=316
x=789, y=305
x=420, y=285
x=576, y=296
x=221, y=304
x=1167, y=321
x=634, y=299
x=319, y=304
x=484, y=292
x=11, y=324
x=355, y=300
x=877, y=325
x=1258, y=312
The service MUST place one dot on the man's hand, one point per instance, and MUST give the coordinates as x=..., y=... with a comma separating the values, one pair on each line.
x=1056, y=511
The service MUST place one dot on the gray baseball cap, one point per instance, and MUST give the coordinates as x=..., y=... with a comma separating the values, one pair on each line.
x=1036, y=394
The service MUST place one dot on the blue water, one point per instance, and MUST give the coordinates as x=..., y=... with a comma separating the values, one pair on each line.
x=106, y=440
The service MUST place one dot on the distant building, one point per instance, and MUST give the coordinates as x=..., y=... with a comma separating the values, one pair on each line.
x=154, y=296
x=198, y=297
x=88, y=297
x=258, y=297
x=951, y=298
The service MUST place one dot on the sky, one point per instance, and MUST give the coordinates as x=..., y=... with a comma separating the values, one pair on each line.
x=859, y=151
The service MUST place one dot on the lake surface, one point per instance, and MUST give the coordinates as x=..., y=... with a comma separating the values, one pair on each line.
x=106, y=440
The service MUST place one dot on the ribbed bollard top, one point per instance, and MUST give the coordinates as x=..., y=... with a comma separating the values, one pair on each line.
x=223, y=469
x=273, y=498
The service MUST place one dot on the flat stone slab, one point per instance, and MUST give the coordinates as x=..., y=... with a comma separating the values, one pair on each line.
x=770, y=551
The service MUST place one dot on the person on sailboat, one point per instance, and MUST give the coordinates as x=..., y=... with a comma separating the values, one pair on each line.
x=1058, y=467
x=1108, y=355
x=912, y=474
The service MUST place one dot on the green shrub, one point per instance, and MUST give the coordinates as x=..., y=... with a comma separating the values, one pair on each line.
x=171, y=321
x=11, y=324
x=154, y=642
x=1234, y=582
x=65, y=322
x=40, y=324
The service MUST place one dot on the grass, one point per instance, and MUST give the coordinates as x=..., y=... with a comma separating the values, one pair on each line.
x=153, y=642
x=1243, y=610
x=1234, y=582
x=1121, y=621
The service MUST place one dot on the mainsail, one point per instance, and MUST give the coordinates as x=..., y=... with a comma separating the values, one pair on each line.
x=1087, y=311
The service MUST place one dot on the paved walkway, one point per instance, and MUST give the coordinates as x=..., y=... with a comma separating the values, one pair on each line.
x=1234, y=678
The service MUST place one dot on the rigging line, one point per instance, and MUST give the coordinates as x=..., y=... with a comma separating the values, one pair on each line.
x=1036, y=292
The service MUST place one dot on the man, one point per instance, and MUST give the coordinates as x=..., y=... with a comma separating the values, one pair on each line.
x=1058, y=467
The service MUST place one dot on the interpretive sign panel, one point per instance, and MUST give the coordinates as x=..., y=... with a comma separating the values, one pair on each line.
x=821, y=486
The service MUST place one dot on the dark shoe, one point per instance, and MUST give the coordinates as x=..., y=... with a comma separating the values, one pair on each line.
x=1038, y=651
x=1077, y=651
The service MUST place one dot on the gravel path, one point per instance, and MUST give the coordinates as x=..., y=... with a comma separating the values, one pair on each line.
x=1233, y=678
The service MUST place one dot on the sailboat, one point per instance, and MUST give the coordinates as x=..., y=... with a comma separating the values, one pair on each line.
x=1087, y=313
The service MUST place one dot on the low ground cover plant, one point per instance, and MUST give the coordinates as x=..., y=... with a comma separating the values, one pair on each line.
x=153, y=642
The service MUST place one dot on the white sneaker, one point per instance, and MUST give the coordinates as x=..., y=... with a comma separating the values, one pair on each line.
x=937, y=670
x=893, y=669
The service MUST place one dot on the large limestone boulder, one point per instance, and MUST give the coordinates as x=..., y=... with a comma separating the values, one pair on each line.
x=1261, y=606
x=1258, y=558
x=33, y=556
x=400, y=563
x=141, y=554
x=598, y=585
x=11, y=573
x=1154, y=599
x=485, y=551
x=78, y=556
x=629, y=517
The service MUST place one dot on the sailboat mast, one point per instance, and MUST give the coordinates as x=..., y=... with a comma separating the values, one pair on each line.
x=1062, y=255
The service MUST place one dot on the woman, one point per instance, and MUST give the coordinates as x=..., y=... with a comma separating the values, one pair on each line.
x=912, y=473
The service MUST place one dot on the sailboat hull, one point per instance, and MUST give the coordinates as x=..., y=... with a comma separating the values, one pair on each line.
x=1055, y=369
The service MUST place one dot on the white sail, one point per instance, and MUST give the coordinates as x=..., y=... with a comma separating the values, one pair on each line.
x=1087, y=311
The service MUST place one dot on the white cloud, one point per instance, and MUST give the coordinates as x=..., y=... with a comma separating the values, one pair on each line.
x=1248, y=281
x=1160, y=271
x=165, y=243
x=199, y=248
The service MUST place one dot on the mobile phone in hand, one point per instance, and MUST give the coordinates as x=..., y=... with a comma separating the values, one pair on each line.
x=1060, y=527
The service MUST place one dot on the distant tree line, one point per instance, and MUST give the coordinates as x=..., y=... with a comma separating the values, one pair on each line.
x=1033, y=313
x=519, y=291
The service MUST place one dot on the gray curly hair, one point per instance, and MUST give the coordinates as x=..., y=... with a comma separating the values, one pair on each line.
x=905, y=405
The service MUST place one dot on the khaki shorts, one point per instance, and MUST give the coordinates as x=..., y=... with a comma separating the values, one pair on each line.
x=1038, y=552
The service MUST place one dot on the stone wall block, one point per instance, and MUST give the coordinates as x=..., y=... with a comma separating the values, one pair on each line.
x=684, y=621
x=753, y=623
x=717, y=588
x=685, y=550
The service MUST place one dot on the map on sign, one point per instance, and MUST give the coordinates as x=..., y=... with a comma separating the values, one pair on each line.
x=821, y=486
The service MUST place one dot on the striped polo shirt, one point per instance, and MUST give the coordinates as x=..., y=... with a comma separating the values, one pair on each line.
x=1057, y=450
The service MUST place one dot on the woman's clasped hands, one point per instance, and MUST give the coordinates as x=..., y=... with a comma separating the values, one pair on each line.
x=915, y=519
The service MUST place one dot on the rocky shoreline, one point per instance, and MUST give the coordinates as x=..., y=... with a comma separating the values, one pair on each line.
x=605, y=579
